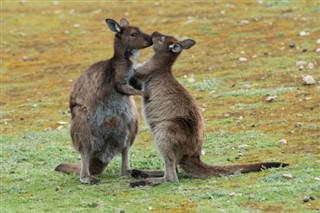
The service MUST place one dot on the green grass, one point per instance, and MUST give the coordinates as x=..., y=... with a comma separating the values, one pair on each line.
x=30, y=181
x=255, y=92
x=230, y=93
x=29, y=178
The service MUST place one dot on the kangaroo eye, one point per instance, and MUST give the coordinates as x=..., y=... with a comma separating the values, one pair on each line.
x=135, y=34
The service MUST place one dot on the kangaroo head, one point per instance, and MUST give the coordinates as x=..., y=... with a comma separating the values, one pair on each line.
x=130, y=37
x=168, y=45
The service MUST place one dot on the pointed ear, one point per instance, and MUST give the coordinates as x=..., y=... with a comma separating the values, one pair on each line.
x=175, y=47
x=187, y=44
x=113, y=25
x=124, y=22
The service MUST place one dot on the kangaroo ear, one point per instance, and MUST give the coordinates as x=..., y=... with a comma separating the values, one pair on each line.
x=113, y=25
x=124, y=22
x=175, y=47
x=188, y=43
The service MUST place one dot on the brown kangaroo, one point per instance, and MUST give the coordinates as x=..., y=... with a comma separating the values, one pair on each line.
x=104, y=119
x=175, y=120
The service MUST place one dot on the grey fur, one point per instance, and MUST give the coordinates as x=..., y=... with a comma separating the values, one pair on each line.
x=104, y=120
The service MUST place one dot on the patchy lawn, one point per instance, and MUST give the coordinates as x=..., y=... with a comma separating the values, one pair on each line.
x=246, y=51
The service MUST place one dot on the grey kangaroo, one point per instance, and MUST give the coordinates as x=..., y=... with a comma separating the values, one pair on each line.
x=104, y=119
x=175, y=120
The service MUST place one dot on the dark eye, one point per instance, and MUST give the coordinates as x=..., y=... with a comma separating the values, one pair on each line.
x=134, y=34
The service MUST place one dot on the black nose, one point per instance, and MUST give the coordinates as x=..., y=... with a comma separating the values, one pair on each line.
x=155, y=34
x=150, y=39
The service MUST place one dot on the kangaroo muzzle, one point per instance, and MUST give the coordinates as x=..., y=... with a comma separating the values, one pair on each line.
x=149, y=39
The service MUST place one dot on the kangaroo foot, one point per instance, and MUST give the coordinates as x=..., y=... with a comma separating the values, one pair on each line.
x=127, y=172
x=149, y=182
x=90, y=180
x=142, y=183
x=136, y=173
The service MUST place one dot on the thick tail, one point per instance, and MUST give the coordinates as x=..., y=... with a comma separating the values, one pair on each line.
x=194, y=167
x=68, y=168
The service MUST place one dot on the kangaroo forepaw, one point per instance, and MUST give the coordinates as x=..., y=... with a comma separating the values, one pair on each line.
x=137, y=65
x=146, y=94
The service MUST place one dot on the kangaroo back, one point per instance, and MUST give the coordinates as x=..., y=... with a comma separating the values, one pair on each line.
x=194, y=167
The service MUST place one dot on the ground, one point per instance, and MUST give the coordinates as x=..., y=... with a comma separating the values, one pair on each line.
x=246, y=51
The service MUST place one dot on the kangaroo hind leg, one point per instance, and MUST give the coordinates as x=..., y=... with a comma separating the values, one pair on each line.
x=170, y=173
x=85, y=176
x=125, y=167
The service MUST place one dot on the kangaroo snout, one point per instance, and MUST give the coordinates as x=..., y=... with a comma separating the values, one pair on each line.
x=149, y=39
x=156, y=34
x=146, y=38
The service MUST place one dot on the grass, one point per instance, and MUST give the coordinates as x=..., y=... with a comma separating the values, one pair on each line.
x=31, y=182
x=46, y=45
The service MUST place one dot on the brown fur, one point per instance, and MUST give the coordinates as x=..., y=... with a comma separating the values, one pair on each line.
x=175, y=120
x=104, y=119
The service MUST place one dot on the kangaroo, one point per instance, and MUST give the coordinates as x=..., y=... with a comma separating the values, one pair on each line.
x=175, y=120
x=104, y=119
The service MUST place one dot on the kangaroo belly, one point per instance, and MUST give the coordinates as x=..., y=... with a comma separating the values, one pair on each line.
x=111, y=129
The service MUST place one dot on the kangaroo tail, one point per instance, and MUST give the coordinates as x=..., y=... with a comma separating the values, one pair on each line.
x=194, y=167
x=68, y=168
